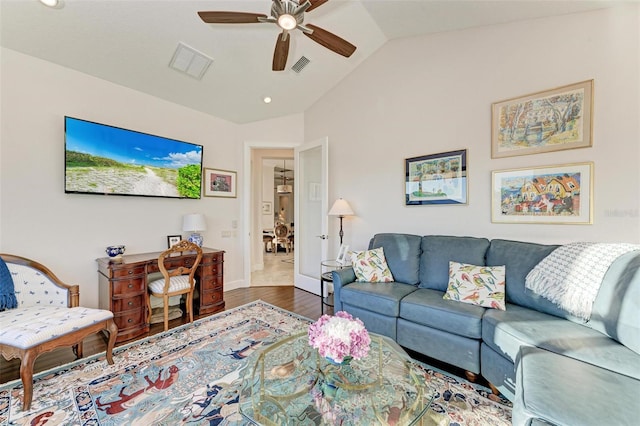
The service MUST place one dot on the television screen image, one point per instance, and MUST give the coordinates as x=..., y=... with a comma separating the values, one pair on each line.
x=102, y=159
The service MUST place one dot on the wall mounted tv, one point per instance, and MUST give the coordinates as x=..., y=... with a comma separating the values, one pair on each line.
x=107, y=160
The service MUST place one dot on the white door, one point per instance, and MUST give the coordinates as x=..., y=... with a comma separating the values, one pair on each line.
x=311, y=214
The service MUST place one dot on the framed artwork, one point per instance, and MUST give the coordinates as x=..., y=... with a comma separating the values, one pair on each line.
x=267, y=207
x=436, y=179
x=560, y=194
x=551, y=120
x=220, y=183
x=172, y=240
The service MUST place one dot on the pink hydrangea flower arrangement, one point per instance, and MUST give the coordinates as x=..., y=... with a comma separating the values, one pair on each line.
x=339, y=337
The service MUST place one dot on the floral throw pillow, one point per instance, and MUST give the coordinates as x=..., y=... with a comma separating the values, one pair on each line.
x=477, y=285
x=371, y=266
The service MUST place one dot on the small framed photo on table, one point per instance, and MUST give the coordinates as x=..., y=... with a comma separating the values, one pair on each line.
x=342, y=254
x=172, y=240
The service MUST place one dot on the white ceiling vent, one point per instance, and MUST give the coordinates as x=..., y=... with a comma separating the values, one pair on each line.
x=189, y=61
x=299, y=66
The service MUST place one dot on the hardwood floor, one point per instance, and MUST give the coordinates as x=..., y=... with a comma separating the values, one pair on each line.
x=285, y=297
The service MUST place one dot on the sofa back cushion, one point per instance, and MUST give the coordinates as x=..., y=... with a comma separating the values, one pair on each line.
x=402, y=252
x=519, y=258
x=616, y=310
x=439, y=250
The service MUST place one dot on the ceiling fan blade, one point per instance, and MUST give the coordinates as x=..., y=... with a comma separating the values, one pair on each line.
x=281, y=51
x=316, y=3
x=231, y=17
x=331, y=41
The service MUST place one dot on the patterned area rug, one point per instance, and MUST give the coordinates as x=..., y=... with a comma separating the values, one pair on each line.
x=192, y=375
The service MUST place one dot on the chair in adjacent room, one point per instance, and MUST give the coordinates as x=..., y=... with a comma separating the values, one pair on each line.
x=282, y=237
x=175, y=280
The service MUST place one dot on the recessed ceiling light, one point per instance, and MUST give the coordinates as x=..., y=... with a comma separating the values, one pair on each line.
x=267, y=99
x=50, y=3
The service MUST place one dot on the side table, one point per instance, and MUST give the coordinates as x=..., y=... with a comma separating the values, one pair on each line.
x=326, y=267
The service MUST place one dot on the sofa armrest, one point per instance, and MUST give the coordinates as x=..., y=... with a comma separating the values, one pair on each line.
x=341, y=277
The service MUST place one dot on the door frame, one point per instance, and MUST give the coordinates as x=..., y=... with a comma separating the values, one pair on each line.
x=247, y=198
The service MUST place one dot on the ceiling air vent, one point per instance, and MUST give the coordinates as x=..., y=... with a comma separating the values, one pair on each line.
x=189, y=61
x=299, y=66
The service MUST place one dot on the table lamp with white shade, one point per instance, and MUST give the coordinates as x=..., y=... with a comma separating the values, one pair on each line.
x=194, y=223
x=341, y=209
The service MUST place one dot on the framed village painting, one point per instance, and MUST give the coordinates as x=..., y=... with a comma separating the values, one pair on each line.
x=560, y=194
x=552, y=120
x=436, y=179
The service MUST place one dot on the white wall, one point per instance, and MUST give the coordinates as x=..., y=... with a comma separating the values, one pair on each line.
x=431, y=94
x=67, y=232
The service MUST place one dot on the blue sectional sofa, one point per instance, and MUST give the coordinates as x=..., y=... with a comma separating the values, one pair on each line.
x=411, y=310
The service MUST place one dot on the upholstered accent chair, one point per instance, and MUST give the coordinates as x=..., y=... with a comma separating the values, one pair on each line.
x=175, y=280
x=48, y=317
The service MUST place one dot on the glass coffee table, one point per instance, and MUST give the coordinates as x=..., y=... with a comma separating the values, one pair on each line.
x=288, y=383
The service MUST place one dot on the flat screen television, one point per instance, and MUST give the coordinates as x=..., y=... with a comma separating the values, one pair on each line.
x=108, y=160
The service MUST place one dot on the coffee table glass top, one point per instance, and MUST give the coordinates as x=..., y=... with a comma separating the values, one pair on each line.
x=288, y=383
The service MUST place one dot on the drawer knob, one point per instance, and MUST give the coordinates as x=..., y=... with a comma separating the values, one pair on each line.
x=130, y=303
x=129, y=320
x=130, y=285
x=129, y=272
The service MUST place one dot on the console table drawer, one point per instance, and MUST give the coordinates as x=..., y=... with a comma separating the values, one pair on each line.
x=124, y=288
x=170, y=264
x=128, y=319
x=121, y=305
x=127, y=272
x=211, y=297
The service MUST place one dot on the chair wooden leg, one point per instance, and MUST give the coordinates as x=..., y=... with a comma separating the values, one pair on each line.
x=190, y=306
x=166, y=313
x=26, y=375
x=77, y=350
x=148, y=301
x=113, y=334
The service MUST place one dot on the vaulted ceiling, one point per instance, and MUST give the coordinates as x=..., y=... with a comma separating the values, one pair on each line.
x=131, y=42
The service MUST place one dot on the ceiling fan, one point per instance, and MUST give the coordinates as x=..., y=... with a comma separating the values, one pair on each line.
x=288, y=15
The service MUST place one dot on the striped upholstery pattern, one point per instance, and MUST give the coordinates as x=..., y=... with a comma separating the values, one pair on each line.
x=27, y=327
x=180, y=282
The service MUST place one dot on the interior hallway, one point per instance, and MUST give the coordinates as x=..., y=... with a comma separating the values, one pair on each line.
x=278, y=270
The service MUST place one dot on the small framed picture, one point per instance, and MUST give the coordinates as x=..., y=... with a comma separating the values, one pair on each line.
x=436, y=179
x=267, y=207
x=172, y=240
x=342, y=254
x=220, y=183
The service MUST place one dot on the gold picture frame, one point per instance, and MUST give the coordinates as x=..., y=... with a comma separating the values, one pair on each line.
x=220, y=183
x=559, y=194
x=551, y=120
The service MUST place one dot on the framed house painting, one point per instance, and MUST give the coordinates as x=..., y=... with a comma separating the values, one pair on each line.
x=551, y=120
x=560, y=194
x=436, y=179
x=220, y=183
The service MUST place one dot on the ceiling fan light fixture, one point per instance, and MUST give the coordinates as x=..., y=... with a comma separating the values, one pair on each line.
x=287, y=22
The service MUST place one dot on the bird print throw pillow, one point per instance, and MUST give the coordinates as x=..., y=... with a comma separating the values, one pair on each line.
x=371, y=266
x=477, y=285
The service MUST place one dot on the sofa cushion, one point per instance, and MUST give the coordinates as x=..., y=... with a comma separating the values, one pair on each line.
x=560, y=390
x=402, y=252
x=616, y=310
x=383, y=299
x=426, y=307
x=477, y=285
x=371, y=266
x=506, y=331
x=519, y=258
x=438, y=251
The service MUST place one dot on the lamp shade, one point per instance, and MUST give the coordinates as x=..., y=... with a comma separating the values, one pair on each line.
x=341, y=208
x=193, y=222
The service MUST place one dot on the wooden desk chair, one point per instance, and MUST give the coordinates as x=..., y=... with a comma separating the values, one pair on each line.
x=175, y=280
x=47, y=317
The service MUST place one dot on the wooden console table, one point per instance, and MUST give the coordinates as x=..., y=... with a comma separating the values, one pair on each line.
x=123, y=287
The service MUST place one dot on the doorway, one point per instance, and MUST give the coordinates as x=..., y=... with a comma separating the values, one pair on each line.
x=273, y=263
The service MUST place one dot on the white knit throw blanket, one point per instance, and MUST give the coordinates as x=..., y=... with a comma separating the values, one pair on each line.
x=572, y=274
